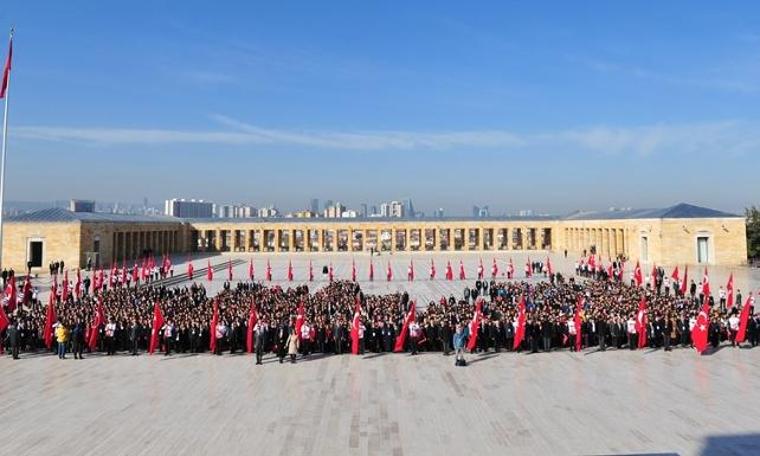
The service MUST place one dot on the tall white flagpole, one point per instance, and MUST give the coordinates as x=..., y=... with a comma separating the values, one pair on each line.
x=2, y=156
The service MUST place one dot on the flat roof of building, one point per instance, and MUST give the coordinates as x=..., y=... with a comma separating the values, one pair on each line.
x=678, y=211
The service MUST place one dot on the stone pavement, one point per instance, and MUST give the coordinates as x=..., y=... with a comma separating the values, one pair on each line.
x=559, y=403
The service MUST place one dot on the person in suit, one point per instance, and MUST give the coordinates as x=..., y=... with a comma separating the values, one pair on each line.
x=134, y=336
x=282, y=341
x=13, y=338
x=446, y=338
x=77, y=339
x=260, y=331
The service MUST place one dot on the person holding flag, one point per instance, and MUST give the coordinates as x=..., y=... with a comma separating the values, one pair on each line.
x=432, y=269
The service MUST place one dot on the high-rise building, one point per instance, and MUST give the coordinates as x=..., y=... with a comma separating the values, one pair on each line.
x=269, y=212
x=334, y=211
x=475, y=211
x=314, y=205
x=392, y=209
x=188, y=208
x=364, y=212
x=438, y=213
x=484, y=212
x=76, y=205
x=409, y=208
x=328, y=203
x=235, y=211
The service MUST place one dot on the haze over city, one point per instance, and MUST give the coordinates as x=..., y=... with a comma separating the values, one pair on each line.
x=511, y=106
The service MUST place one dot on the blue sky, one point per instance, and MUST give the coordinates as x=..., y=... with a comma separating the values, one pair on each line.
x=553, y=106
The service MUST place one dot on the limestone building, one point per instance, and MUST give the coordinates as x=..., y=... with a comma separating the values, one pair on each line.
x=681, y=234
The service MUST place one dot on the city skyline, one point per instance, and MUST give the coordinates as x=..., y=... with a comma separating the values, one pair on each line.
x=514, y=107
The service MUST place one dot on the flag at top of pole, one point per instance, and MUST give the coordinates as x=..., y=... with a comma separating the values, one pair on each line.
x=7, y=70
x=4, y=95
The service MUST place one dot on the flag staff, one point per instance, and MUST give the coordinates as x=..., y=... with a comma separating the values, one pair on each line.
x=6, y=94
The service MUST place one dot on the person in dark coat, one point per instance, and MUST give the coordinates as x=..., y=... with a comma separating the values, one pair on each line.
x=13, y=338
x=77, y=339
x=446, y=338
x=260, y=331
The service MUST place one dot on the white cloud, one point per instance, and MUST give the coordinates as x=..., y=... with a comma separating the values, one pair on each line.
x=726, y=137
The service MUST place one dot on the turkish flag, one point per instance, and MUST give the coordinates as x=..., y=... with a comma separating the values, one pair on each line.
x=730, y=291
x=27, y=290
x=389, y=272
x=520, y=330
x=250, y=269
x=330, y=273
x=652, y=275
x=549, y=268
x=252, y=319
x=528, y=269
x=4, y=321
x=743, y=320
x=371, y=271
x=637, y=276
x=290, y=271
x=10, y=292
x=209, y=271
x=510, y=269
x=494, y=269
x=7, y=70
x=123, y=273
x=481, y=270
x=355, y=326
x=190, y=270
x=475, y=324
x=401, y=338
x=96, y=323
x=449, y=271
x=155, y=330
x=685, y=282
x=642, y=323
x=706, y=283
x=49, y=321
x=700, y=330
x=675, y=275
x=212, y=329
x=300, y=316
x=462, y=275
x=78, y=284
x=269, y=271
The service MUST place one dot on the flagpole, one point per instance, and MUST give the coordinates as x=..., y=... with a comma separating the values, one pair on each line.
x=2, y=156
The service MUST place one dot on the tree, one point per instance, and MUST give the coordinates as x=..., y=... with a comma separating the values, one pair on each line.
x=753, y=232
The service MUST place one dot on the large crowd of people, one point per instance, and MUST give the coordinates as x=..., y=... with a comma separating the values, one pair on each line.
x=297, y=321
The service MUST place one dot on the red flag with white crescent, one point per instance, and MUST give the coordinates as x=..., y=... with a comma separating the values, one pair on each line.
x=7, y=70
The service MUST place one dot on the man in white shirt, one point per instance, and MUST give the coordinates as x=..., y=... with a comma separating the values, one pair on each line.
x=733, y=328
x=110, y=337
x=631, y=330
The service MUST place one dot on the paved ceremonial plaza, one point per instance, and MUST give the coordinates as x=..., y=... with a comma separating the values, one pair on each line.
x=617, y=402
x=643, y=402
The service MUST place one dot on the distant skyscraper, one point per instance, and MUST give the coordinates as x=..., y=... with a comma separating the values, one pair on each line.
x=82, y=205
x=484, y=212
x=328, y=204
x=408, y=208
x=314, y=205
x=374, y=211
x=392, y=209
x=189, y=208
x=364, y=212
x=475, y=211
x=438, y=213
